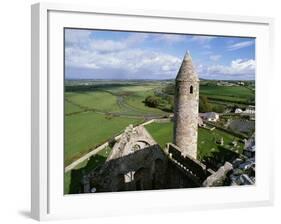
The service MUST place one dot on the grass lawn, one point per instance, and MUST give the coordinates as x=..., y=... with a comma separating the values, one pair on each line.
x=136, y=101
x=228, y=93
x=234, y=91
x=163, y=133
x=134, y=95
x=71, y=108
x=88, y=130
x=72, y=178
x=231, y=99
x=98, y=100
x=127, y=100
x=207, y=142
x=133, y=88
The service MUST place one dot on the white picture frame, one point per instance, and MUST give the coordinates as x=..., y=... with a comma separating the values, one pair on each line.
x=48, y=201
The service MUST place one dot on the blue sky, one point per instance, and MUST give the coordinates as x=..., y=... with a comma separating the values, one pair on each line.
x=94, y=54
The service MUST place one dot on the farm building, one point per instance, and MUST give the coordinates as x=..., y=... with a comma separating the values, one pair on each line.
x=224, y=83
x=250, y=110
x=210, y=116
x=241, y=83
x=238, y=111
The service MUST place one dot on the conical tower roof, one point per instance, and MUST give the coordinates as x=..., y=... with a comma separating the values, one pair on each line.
x=187, y=72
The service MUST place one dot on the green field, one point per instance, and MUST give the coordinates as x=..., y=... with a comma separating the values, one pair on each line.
x=93, y=117
x=227, y=93
x=136, y=101
x=85, y=131
x=118, y=100
x=94, y=114
x=71, y=108
x=98, y=100
x=132, y=97
x=163, y=133
x=97, y=112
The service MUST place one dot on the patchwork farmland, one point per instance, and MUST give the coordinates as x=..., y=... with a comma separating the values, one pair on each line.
x=96, y=111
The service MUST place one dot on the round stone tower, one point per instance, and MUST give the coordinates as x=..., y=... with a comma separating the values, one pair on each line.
x=186, y=108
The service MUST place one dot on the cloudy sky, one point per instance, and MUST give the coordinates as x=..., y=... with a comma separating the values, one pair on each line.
x=93, y=54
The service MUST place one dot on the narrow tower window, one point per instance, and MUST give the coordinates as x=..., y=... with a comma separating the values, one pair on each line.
x=191, y=89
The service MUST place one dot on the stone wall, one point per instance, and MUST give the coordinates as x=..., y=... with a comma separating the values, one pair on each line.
x=142, y=170
x=194, y=169
x=136, y=162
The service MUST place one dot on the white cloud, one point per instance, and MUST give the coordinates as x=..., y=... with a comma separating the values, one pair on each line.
x=123, y=58
x=133, y=62
x=113, y=56
x=215, y=57
x=243, y=66
x=202, y=39
x=176, y=38
x=240, y=45
x=238, y=69
x=84, y=40
x=76, y=36
x=170, y=38
x=107, y=45
x=111, y=46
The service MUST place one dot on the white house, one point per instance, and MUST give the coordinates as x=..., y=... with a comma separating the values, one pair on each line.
x=210, y=116
x=238, y=111
x=249, y=110
x=241, y=83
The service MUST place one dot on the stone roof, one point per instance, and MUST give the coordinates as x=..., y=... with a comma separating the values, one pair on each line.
x=187, y=71
x=133, y=139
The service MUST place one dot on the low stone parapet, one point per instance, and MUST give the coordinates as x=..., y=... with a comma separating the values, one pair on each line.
x=191, y=165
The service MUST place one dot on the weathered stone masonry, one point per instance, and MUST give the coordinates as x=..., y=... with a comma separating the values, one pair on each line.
x=186, y=108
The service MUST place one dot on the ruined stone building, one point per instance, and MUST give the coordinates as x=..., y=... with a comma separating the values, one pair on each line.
x=137, y=162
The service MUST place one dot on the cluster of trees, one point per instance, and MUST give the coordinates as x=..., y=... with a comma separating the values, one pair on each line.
x=169, y=89
x=164, y=100
x=163, y=103
x=167, y=104
x=152, y=101
x=218, y=108
x=205, y=106
x=251, y=100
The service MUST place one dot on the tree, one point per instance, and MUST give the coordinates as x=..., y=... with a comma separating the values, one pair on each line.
x=204, y=105
x=152, y=101
x=251, y=100
x=218, y=108
x=169, y=89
